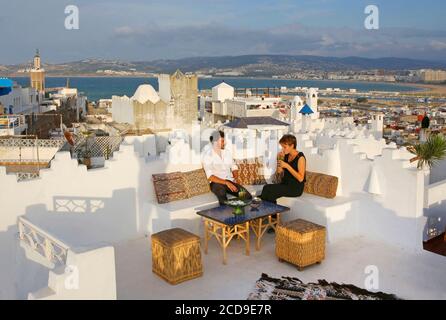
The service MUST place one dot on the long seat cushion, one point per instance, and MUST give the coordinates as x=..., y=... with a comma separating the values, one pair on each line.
x=322, y=185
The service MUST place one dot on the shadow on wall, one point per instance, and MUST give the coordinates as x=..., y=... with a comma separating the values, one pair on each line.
x=358, y=215
x=87, y=221
x=19, y=273
x=381, y=223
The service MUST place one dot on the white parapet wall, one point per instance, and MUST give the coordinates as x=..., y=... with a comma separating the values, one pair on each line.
x=110, y=204
x=87, y=275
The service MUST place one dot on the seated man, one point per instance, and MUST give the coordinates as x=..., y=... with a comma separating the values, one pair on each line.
x=220, y=168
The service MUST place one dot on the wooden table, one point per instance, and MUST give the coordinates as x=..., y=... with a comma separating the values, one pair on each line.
x=221, y=223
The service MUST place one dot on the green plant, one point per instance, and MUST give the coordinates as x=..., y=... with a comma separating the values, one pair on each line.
x=429, y=152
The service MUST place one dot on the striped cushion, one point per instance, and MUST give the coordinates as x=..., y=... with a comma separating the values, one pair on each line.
x=196, y=183
x=321, y=185
x=250, y=172
x=169, y=187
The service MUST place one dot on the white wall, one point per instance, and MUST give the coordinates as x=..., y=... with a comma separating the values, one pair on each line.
x=222, y=93
x=438, y=172
x=87, y=275
x=122, y=110
x=109, y=205
x=164, y=87
x=27, y=153
x=396, y=214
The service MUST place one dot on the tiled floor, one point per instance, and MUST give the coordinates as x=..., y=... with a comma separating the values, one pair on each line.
x=406, y=274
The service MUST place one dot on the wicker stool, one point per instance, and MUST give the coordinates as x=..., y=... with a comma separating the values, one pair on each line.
x=300, y=242
x=176, y=255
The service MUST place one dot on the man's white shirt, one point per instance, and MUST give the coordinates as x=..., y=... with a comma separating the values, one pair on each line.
x=216, y=165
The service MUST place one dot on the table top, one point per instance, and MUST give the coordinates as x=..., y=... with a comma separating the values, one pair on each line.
x=223, y=214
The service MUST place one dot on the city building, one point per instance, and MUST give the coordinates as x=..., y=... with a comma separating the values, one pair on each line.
x=144, y=110
x=180, y=91
x=21, y=100
x=37, y=74
x=428, y=75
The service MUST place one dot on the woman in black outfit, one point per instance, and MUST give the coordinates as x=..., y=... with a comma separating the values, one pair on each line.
x=293, y=168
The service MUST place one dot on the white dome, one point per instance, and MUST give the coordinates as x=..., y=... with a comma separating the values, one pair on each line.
x=297, y=99
x=144, y=93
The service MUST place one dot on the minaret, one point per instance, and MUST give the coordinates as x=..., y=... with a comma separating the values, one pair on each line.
x=377, y=125
x=296, y=105
x=311, y=100
x=37, y=74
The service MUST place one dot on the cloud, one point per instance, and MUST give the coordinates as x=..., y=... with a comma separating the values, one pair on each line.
x=214, y=40
x=438, y=45
x=126, y=31
x=149, y=30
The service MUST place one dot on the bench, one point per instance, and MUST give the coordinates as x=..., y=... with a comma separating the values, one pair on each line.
x=336, y=214
x=182, y=213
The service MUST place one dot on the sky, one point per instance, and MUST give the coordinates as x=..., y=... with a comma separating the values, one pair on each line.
x=138, y=30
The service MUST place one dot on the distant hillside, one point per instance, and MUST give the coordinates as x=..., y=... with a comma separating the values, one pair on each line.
x=257, y=65
x=298, y=62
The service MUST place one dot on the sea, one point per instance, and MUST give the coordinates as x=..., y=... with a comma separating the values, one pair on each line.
x=96, y=88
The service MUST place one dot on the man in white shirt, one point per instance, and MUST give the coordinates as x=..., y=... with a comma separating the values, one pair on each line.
x=220, y=168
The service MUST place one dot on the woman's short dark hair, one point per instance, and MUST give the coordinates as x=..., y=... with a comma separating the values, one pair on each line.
x=216, y=135
x=289, y=140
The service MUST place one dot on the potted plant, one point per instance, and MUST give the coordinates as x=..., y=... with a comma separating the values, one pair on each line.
x=86, y=153
x=430, y=152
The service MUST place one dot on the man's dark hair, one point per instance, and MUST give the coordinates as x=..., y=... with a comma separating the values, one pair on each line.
x=216, y=135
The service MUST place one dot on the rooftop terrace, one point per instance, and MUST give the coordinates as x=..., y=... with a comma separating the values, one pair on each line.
x=407, y=275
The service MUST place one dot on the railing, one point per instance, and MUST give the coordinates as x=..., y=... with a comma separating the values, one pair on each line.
x=98, y=146
x=41, y=162
x=46, y=143
x=42, y=242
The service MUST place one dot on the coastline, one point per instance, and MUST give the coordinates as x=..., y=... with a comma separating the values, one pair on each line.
x=411, y=89
x=435, y=89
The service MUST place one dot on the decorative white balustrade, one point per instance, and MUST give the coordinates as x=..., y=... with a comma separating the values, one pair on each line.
x=41, y=143
x=42, y=242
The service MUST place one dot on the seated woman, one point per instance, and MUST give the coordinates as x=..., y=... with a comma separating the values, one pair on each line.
x=293, y=169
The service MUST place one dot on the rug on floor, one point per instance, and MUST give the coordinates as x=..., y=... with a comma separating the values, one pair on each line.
x=287, y=288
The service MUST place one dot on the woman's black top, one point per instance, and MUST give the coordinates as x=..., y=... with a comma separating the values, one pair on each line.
x=288, y=178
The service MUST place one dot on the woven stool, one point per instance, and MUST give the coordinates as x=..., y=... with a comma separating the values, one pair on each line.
x=176, y=255
x=300, y=242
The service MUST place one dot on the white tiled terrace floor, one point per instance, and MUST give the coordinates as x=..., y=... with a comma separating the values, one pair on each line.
x=406, y=274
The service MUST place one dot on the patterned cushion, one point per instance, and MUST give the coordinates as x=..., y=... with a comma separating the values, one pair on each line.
x=250, y=172
x=169, y=187
x=321, y=184
x=196, y=183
